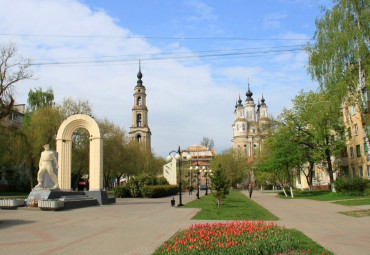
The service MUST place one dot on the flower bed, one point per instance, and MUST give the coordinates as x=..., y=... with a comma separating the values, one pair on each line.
x=237, y=237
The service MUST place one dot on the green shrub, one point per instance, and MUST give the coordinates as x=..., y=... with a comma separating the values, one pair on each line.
x=121, y=191
x=146, y=179
x=162, y=181
x=353, y=186
x=133, y=186
x=159, y=190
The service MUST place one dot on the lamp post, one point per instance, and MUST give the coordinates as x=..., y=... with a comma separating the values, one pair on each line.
x=206, y=173
x=198, y=173
x=178, y=157
x=191, y=177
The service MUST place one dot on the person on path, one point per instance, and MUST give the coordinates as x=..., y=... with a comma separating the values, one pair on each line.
x=250, y=189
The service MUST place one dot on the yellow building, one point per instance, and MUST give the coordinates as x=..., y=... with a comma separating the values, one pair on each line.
x=355, y=161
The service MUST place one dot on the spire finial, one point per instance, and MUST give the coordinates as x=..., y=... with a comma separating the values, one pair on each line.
x=139, y=75
x=249, y=94
x=262, y=100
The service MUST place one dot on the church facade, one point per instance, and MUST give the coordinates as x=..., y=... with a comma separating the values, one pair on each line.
x=139, y=130
x=250, y=125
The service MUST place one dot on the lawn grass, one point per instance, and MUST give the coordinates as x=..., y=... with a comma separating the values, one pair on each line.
x=358, y=213
x=354, y=202
x=320, y=195
x=308, y=243
x=236, y=206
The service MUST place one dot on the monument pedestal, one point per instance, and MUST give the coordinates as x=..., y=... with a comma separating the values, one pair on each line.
x=41, y=194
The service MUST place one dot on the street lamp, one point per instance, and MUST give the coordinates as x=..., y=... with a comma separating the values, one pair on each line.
x=206, y=173
x=178, y=157
x=198, y=173
x=191, y=177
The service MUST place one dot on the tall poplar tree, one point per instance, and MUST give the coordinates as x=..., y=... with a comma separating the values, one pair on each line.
x=339, y=59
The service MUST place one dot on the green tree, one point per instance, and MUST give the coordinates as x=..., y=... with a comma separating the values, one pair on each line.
x=220, y=185
x=235, y=167
x=280, y=156
x=320, y=124
x=115, y=152
x=39, y=99
x=40, y=130
x=13, y=69
x=339, y=57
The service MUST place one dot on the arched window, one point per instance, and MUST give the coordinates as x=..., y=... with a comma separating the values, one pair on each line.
x=139, y=102
x=243, y=126
x=138, y=138
x=138, y=120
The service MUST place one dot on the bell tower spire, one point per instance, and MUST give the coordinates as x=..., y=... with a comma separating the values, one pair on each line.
x=139, y=130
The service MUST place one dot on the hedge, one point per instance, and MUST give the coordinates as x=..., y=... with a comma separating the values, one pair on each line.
x=121, y=191
x=159, y=191
x=351, y=185
x=146, y=191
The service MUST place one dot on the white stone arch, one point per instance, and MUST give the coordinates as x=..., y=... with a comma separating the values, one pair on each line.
x=64, y=149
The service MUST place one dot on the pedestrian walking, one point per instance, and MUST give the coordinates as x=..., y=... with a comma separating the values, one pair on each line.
x=250, y=189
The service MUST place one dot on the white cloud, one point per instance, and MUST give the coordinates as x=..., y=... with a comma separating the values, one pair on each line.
x=203, y=11
x=273, y=20
x=186, y=100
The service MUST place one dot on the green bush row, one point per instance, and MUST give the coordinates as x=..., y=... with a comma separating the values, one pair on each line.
x=351, y=185
x=140, y=186
x=159, y=191
x=149, y=191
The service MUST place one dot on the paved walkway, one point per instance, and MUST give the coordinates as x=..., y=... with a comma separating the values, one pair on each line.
x=321, y=221
x=131, y=226
x=139, y=226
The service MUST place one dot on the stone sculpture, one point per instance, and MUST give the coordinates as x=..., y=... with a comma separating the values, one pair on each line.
x=46, y=165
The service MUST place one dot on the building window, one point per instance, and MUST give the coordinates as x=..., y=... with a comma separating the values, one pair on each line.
x=243, y=127
x=353, y=109
x=347, y=113
x=349, y=133
x=358, y=151
x=343, y=135
x=368, y=171
x=138, y=138
x=366, y=103
x=139, y=102
x=138, y=120
x=356, y=129
x=351, y=152
x=360, y=171
x=365, y=148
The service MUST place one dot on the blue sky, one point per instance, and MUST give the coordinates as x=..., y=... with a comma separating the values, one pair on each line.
x=188, y=98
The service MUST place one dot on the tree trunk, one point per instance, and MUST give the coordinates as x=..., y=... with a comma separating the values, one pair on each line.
x=291, y=192
x=284, y=190
x=309, y=176
x=330, y=169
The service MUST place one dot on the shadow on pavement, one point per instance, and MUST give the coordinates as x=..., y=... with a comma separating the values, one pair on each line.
x=11, y=223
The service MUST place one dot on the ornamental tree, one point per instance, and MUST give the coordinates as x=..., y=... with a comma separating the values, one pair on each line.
x=220, y=185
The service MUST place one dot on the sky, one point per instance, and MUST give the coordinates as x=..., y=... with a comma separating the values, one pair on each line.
x=197, y=57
